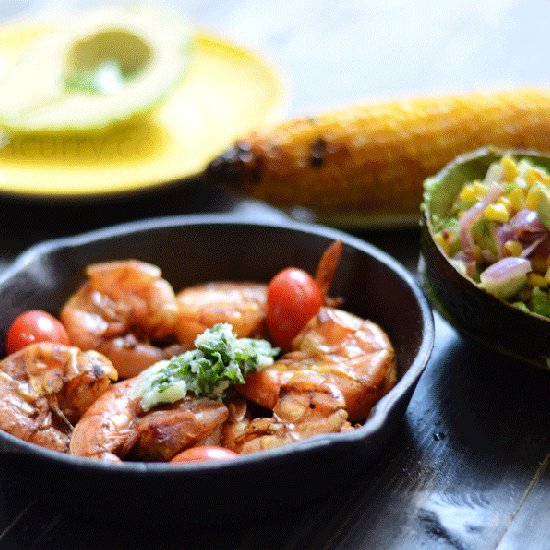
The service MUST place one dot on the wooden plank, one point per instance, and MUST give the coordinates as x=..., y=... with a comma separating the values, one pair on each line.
x=531, y=522
x=14, y=506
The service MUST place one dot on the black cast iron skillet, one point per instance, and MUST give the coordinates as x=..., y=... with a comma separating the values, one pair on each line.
x=190, y=250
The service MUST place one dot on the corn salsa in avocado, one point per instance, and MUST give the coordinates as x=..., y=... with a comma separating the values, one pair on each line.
x=497, y=232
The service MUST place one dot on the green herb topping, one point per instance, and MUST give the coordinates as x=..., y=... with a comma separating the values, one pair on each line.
x=221, y=359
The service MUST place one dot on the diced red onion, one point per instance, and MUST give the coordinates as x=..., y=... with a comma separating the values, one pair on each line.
x=472, y=215
x=505, y=270
x=543, y=248
x=532, y=247
x=526, y=225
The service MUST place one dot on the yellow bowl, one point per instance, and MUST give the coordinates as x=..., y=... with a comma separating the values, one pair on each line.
x=226, y=92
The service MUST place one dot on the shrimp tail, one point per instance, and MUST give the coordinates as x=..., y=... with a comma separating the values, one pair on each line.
x=328, y=264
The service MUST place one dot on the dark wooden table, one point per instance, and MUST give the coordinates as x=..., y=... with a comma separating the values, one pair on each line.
x=469, y=466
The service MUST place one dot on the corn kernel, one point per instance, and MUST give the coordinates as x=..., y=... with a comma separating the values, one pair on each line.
x=505, y=201
x=534, y=279
x=533, y=198
x=510, y=168
x=468, y=193
x=517, y=199
x=480, y=190
x=520, y=182
x=532, y=175
x=514, y=248
x=547, y=276
x=497, y=213
x=442, y=242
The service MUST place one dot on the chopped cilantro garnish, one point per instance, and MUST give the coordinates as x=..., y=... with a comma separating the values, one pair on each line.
x=221, y=359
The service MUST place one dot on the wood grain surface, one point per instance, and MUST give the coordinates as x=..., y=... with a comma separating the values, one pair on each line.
x=469, y=467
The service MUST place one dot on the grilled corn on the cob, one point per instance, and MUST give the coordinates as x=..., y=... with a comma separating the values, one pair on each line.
x=366, y=164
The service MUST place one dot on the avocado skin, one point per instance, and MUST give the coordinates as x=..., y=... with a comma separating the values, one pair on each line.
x=472, y=311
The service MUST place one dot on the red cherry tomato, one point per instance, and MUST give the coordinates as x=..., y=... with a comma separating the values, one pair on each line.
x=201, y=454
x=293, y=298
x=34, y=326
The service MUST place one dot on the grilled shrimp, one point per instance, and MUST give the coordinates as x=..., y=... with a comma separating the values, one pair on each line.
x=339, y=360
x=243, y=304
x=244, y=434
x=326, y=268
x=45, y=388
x=119, y=311
x=340, y=367
x=115, y=426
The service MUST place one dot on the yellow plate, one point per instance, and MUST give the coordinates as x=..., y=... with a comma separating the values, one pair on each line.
x=226, y=92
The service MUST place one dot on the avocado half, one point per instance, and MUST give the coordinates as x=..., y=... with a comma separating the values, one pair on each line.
x=105, y=66
x=471, y=310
